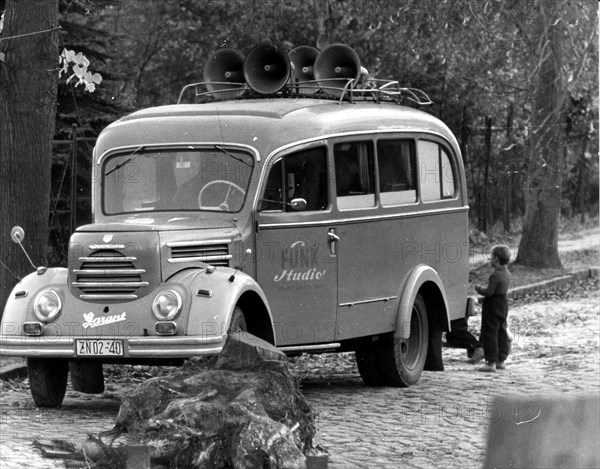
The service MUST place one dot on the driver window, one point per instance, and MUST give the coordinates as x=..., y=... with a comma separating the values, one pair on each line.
x=301, y=175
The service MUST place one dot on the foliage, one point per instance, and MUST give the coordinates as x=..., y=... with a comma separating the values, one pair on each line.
x=477, y=60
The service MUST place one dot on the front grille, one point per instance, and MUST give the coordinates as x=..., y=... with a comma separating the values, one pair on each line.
x=108, y=274
x=214, y=252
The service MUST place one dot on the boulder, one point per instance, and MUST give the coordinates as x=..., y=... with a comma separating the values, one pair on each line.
x=241, y=410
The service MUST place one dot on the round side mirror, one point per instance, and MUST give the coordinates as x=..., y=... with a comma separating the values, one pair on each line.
x=17, y=234
x=298, y=204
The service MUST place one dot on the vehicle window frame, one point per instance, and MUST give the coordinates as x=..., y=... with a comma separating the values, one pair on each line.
x=175, y=148
x=279, y=159
x=359, y=138
x=441, y=146
x=395, y=138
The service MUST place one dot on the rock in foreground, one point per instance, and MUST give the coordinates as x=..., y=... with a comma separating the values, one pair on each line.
x=240, y=410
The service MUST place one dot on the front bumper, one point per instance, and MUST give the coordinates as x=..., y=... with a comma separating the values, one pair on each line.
x=134, y=347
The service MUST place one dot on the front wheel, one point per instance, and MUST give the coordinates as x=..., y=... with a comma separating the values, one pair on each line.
x=238, y=321
x=403, y=360
x=47, y=380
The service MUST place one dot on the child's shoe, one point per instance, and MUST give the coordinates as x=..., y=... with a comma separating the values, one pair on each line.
x=477, y=356
x=501, y=365
x=489, y=367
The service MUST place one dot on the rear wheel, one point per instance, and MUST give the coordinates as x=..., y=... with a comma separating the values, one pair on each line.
x=47, y=380
x=402, y=360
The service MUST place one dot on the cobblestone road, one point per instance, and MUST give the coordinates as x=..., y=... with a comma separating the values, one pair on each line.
x=441, y=422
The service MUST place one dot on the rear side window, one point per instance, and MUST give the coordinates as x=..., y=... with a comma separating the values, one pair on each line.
x=301, y=175
x=436, y=176
x=447, y=176
x=397, y=171
x=354, y=175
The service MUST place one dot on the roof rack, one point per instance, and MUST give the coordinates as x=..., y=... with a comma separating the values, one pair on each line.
x=374, y=90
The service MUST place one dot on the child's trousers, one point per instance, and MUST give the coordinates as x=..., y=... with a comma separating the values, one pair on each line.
x=494, y=336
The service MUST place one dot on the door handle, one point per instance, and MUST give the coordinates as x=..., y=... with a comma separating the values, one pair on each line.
x=333, y=240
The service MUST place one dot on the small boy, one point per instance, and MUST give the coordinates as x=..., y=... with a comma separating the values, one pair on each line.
x=494, y=335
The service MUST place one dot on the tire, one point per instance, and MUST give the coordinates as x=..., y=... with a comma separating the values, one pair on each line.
x=402, y=360
x=47, y=380
x=87, y=377
x=238, y=322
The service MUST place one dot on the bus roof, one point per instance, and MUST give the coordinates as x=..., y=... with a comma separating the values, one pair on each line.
x=265, y=124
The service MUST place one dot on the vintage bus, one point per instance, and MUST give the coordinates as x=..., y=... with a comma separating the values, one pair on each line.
x=319, y=221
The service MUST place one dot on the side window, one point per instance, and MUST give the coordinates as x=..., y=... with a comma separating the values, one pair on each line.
x=397, y=171
x=436, y=177
x=447, y=177
x=301, y=175
x=354, y=175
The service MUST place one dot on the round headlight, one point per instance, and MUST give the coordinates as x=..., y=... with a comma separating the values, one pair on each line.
x=47, y=305
x=166, y=305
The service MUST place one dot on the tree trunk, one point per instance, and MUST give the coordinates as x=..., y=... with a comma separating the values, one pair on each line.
x=28, y=88
x=539, y=241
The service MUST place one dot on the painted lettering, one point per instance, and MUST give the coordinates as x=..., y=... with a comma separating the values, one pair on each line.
x=292, y=275
x=92, y=321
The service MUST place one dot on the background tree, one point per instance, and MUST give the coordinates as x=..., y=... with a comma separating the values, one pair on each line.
x=28, y=84
x=555, y=21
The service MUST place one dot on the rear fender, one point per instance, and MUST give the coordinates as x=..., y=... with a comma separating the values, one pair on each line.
x=425, y=279
x=214, y=296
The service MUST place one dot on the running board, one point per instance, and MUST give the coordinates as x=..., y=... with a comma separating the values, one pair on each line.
x=310, y=348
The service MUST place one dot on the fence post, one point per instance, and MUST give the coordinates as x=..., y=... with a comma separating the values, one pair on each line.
x=74, y=180
x=508, y=175
x=488, y=162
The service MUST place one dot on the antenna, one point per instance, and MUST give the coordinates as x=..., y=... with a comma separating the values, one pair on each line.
x=246, y=253
x=17, y=235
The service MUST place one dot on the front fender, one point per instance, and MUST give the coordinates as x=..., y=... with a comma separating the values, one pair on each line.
x=18, y=306
x=420, y=275
x=214, y=295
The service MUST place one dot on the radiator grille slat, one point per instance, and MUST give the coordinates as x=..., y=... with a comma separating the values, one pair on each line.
x=216, y=253
x=108, y=272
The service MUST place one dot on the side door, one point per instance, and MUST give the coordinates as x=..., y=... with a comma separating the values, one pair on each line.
x=296, y=251
x=365, y=290
x=375, y=180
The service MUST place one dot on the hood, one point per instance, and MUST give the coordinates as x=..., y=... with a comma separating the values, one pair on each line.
x=158, y=222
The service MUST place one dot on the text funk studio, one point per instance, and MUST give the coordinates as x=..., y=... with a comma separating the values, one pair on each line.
x=300, y=264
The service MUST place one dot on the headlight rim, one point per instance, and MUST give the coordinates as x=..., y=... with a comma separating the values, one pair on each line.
x=50, y=317
x=172, y=315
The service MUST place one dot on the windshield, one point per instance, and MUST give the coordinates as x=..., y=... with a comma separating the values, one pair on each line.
x=207, y=179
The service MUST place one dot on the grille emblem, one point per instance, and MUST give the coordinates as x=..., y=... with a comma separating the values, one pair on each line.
x=107, y=238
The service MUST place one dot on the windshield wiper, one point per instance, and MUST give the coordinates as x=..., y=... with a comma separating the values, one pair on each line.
x=128, y=160
x=228, y=153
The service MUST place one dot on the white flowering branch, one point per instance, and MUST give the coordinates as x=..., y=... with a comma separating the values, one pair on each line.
x=78, y=64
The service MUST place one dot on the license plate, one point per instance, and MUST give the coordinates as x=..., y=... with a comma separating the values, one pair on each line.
x=99, y=347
